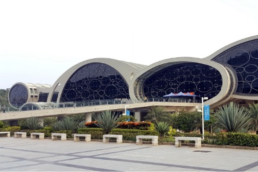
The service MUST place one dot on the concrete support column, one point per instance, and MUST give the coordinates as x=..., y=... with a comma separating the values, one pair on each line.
x=88, y=117
x=41, y=122
x=137, y=116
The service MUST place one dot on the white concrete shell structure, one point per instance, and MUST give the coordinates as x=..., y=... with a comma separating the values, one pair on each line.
x=21, y=93
x=136, y=85
x=126, y=69
x=230, y=74
x=237, y=56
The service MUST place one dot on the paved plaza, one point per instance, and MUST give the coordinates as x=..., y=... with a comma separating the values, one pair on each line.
x=27, y=154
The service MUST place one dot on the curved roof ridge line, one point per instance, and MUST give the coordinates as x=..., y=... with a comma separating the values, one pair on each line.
x=231, y=45
x=135, y=65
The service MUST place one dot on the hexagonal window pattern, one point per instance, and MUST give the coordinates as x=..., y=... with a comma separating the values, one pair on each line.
x=18, y=95
x=243, y=58
x=201, y=79
x=95, y=81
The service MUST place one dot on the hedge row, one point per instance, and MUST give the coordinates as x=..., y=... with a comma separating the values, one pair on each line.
x=128, y=134
x=11, y=129
x=234, y=139
x=47, y=131
x=237, y=139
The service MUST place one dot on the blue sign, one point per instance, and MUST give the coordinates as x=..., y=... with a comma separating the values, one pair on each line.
x=206, y=112
x=127, y=113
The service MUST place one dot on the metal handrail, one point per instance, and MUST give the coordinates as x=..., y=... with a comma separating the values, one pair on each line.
x=105, y=102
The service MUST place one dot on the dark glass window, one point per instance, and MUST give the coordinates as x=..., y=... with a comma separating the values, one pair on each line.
x=54, y=97
x=243, y=58
x=18, y=95
x=43, y=97
x=95, y=81
x=203, y=80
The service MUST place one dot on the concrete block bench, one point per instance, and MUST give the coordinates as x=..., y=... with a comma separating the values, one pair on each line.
x=55, y=136
x=5, y=133
x=198, y=142
x=86, y=136
x=34, y=135
x=119, y=138
x=155, y=139
x=20, y=134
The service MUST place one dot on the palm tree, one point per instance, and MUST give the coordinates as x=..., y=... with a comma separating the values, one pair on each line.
x=253, y=110
x=157, y=114
x=233, y=118
x=107, y=121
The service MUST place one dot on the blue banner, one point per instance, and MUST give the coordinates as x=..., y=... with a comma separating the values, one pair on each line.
x=127, y=113
x=206, y=112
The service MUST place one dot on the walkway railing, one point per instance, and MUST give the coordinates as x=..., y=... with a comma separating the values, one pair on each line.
x=42, y=105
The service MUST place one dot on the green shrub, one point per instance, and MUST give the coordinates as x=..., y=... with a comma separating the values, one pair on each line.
x=233, y=118
x=96, y=133
x=33, y=123
x=81, y=125
x=162, y=128
x=47, y=131
x=49, y=121
x=171, y=131
x=128, y=134
x=166, y=139
x=68, y=133
x=66, y=124
x=11, y=129
x=234, y=139
x=106, y=120
x=124, y=118
x=151, y=127
x=241, y=139
x=1, y=124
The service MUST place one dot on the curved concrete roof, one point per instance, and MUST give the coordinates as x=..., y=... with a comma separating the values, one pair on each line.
x=17, y=83
x=168, y=62
x=126, y=69
x=132, y=73
x=210, y=57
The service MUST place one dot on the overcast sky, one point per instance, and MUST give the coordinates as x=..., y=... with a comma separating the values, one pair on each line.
x=40, y=40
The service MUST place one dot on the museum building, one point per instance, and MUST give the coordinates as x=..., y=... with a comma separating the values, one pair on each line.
x=230, y=74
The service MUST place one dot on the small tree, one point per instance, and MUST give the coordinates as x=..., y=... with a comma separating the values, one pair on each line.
x=253, y=110
x=162, y=128
x=157, y=114
x=233, y=118
x=106, y=121
x=186, y=121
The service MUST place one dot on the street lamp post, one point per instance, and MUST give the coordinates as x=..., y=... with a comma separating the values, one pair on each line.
x=203, y=98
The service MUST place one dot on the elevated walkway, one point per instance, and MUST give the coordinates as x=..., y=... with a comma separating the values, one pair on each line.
x=62, y=111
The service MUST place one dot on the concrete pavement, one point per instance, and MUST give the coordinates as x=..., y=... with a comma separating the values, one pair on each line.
x=27, y=154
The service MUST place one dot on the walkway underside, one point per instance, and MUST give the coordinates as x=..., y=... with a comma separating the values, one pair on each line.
x=169, y=106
